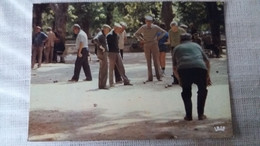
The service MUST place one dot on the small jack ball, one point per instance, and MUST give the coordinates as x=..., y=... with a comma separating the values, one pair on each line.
x=216, y=71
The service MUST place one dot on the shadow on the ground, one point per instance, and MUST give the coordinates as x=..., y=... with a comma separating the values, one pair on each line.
x=50, y=125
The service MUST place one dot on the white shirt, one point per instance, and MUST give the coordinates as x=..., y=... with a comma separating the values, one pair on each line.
x=121, y=41
x=82, y=38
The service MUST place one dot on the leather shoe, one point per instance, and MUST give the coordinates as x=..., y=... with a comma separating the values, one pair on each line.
x=187, y=118
x=72, y=80
x=87, y=80
x=202, y=117
x=128, y=84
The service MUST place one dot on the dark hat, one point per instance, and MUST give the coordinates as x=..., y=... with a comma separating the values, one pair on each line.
x=185, y=37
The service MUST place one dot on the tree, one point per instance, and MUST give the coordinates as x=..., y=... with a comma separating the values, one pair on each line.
x=204, y=15
x=38, y=9
x=215, y=21
x=167, y=13
x=60, y=15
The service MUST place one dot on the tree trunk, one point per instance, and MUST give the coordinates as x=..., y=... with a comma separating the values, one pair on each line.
x=167, y=14
x=60, y=11
x=214, y=20
x=37, y=14
x=109, y=10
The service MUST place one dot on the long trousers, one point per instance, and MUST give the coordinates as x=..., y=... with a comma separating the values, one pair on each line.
x=188, y=77
x=82, y=62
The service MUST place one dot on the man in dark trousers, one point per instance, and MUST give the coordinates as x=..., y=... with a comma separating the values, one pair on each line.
x=114, y=56
x=101, y=42
x=82, y=55
x=190, y=66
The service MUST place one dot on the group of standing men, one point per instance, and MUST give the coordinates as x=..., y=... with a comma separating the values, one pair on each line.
x=107, y=41
x=46, y=46
x=190, y=64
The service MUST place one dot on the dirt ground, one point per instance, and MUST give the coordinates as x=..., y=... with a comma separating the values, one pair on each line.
x=79, y=111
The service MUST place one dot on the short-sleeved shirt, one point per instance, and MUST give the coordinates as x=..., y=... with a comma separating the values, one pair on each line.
x=162, y=46
x=149, y=34
x=189, y=55
x=175, y=37
x=38, y=39
x=82, y=38
x=121, y=41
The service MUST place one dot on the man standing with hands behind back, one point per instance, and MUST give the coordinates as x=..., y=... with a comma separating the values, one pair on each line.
x=82, y=55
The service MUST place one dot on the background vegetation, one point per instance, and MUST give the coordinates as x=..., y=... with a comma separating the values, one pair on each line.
x=206, y=16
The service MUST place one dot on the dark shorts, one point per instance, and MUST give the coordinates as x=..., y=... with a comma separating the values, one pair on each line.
x=163, y=48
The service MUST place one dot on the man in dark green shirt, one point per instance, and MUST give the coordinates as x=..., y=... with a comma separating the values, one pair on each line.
x=191, y=65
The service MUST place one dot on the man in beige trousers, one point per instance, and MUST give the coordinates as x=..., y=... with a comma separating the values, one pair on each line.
x=48, y=51
x=147, y=34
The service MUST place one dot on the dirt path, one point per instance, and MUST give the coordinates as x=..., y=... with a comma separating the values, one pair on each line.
x=79, y=111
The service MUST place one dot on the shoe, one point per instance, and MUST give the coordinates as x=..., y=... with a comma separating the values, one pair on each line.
x=105, y=88
x=187, y=118
x=128, y=84
x=159, y=79
x=112, y=85
x=119, y=82
x=202, y=117
x=72, y=80
x=175, y=83
x=87, y=80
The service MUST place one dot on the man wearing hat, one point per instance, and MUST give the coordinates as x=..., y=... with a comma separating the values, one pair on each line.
x=101, y=42
x=114, y=57
x=122, y=38
x=174, y=40
x=39, y=38
x=48, y=51
x=191, y=65
x=147, y=34
x=82, y=55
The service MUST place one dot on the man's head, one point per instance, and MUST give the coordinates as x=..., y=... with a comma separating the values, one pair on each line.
x=148, y=20
x=174, y=26
x=106, y=29
x=76, y=28
x=49, y=28
x=117, y=28
x=185, y=37
x=38, y=29
x=123, y=25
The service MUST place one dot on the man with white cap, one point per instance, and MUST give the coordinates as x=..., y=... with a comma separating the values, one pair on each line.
x=147, y=34
x=121, y=45
x=122, y=38
x=174, y=40
x=114, y=57
x=101, y=41
x=82, y=55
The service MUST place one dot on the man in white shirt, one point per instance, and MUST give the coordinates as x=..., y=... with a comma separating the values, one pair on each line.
x=82, y=55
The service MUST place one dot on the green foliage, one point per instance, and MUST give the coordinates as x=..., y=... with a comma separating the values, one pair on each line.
x=92, y=15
